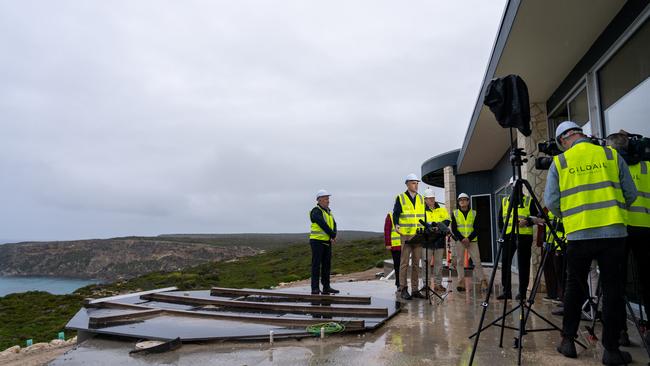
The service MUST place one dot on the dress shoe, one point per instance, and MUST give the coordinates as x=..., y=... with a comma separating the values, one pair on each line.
x=418, y=295
x=504, y=296
x=616, y=357
x=518, y=297
x=559, y=312
x=315, y=292
x=405, y=294
x=567, y=348
x=439, y=288
x=460, y=288
x=330, y=290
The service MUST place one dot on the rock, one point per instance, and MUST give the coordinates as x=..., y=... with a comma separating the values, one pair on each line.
x=57, y=342
x=10, y=351
x=36, y=347
x=72, y=340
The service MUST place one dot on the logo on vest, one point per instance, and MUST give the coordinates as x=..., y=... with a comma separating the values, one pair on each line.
x=588, y=168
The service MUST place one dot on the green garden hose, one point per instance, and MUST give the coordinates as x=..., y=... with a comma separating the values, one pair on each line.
x=328, y=328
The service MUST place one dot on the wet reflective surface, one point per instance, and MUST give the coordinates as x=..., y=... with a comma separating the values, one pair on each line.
x=422, y=334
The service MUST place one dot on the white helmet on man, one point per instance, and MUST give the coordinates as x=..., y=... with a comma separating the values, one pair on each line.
x=322, y=193
x=463, y=195
x=411, y=177
x=429, y=193
x=565, y=127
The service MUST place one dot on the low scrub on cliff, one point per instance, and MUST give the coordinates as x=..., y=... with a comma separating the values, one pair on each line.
x=40, y=315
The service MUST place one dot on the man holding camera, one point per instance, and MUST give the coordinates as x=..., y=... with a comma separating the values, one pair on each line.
x=407, y=213
x=590, y=187
x=638, y=220
x=321, y=238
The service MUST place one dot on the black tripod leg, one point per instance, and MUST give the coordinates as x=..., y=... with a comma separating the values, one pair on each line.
x=487, y=300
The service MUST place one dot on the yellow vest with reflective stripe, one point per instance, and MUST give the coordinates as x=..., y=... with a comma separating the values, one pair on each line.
x=317, y=232
x=558, y=230
x=439, y=214
x=409, y=220
x=639, y=213
x=590, y=191
x=465, y=224
x=522, y=213
x=394, y=235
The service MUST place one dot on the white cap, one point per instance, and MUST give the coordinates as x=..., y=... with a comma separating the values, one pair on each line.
x=428, y=193
x=322, y=193
x=463, y=195
x=411, y=177
x=564, y=127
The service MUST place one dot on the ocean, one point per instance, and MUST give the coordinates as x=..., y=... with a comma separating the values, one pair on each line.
x=53, y=285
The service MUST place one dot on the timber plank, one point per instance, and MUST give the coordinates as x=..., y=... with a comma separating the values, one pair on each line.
x=271, y=307
x=335, y=299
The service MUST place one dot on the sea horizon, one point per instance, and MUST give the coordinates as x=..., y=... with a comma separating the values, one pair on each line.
x=53, y=285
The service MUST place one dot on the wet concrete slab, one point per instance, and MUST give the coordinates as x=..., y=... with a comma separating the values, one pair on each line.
x=422, y=334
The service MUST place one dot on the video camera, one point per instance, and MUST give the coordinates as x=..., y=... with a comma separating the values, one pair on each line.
x=427, y=235
x=551, y=148
x=638, y=149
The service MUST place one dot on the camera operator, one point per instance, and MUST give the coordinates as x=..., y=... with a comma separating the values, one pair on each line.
x=439, y=217
x=407, y=213
x=638, y=223
x=522, y=244
x=590, y=187
x=463, y=228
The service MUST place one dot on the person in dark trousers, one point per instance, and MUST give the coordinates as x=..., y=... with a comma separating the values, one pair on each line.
x=321, y=239
x=526, y=211
x=393, y=243
x=638, y=225
x=591, y=188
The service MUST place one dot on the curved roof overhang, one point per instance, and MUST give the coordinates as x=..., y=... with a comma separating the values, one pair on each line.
x=541, y=41
x=433, y=169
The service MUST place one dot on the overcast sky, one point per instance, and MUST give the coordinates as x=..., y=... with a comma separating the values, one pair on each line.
x=149, y=117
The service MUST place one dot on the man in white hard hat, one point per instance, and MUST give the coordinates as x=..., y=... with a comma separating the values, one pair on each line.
x=638, y=222
x=440, y=217
x=590, y=187
x=464, y=230
x=321, y=238
x=407, y=213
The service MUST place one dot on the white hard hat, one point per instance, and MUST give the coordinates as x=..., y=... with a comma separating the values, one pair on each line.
x=411, y=177
x=463, y=195
x=322, y=193
x=565, y=126
x=428, y=193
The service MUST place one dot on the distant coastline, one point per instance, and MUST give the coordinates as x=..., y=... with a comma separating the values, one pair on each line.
x=53, y=285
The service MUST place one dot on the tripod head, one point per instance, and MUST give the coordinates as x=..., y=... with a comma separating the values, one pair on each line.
x=516, y=156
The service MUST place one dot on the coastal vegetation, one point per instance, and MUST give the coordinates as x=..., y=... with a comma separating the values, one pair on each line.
x=40, y=316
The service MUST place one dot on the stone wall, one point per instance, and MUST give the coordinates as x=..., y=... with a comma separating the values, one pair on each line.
x=536, y=178
x=450, y=188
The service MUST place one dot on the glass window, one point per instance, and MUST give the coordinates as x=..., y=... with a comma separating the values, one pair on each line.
x=579, y=111
x=624, y=84
x=558, y=117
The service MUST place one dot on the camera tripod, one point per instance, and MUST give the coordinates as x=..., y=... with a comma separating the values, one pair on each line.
x=636, y=321
x=524, y=306
x=424, y=237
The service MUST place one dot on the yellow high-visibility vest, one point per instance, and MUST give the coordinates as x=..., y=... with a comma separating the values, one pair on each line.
x=590, y=190
x=317, y=232
x=639, y=213
x=409, y=219
x=522, y=214
x=465, y=224
x=439, y=214
x=395, y=241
